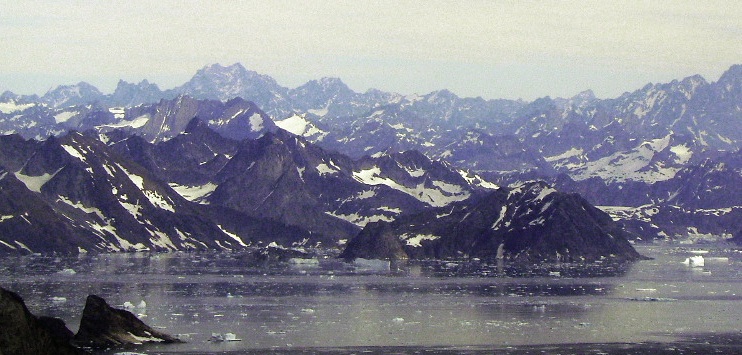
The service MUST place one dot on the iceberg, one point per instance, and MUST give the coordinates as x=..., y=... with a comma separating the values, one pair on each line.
x=694, y=261
x=302, y=262
x=218, y=337
x=373, y=264
x=58, y=300
x=67, y=272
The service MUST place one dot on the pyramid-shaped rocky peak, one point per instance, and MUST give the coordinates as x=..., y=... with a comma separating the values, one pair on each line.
x=103, y=326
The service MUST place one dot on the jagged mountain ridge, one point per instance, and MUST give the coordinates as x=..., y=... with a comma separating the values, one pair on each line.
x=283, y=177
x=640, y=139
x=569, y=133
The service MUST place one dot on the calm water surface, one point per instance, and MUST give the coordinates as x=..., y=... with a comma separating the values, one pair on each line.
x=455, y=307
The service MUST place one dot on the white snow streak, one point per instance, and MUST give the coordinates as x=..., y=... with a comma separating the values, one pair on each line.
x=232, y=235
x=195, y=193
x=436, y=197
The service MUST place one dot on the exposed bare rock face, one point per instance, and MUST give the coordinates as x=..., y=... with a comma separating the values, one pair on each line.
x=23, y=333
x=103, y=326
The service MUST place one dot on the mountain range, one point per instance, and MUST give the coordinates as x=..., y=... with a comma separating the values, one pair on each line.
x=321, y=162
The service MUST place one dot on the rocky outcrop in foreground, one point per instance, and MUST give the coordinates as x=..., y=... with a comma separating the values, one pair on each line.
x=23, y=333
x=101, y=327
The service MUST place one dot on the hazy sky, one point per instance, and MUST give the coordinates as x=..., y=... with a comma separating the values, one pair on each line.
x=493, y=49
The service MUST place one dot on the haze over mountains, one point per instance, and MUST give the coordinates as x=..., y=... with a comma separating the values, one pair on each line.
x=319, y=162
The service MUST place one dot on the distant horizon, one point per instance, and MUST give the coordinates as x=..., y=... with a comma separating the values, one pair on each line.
x=111, y=91
x=489, y=49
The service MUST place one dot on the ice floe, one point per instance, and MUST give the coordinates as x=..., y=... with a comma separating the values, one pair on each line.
x=219, y=337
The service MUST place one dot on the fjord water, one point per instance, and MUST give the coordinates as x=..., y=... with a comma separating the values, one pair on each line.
x=331, y=305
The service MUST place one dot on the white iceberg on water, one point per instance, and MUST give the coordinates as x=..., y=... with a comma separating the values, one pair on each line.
x=218, y=337
x=372, y=264
x=694, y=261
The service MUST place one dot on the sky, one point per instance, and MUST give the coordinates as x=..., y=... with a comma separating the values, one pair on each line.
x=493, y=49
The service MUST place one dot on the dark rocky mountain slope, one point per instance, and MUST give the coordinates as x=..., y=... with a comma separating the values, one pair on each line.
x=531, y=222
x=75, y=193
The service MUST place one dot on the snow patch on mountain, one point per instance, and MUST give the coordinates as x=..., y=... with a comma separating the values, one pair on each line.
x=476, y=180
x=641, y=213
x=566, y=155
x=449, y=188
x=12, y=106
x=295, y=124
x=196, y=194
x=81, y=207
x=546, y=191
x=154, y=198
x=358, y=219
x=118, y=112
x=300, y=126
x=416, y=240
x=635, y=164
x=136, y=179
x=682, y=152
x=441, y=196
x=256, y=122
x=135, y=123
x=415, y=172
x=503, y=211
x=366, y=194
x=161, y=239
x=34, y=183
x=134, y=209
x=64, y=116
x=158, y=200
x=73, y=152
x=320, y=112
x=325, y=169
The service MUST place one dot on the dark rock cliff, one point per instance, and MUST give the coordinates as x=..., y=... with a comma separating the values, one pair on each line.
x=103, y=326
x=23, y=333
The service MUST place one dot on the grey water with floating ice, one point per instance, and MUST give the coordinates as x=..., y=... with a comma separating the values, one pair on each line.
x=328, y=305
